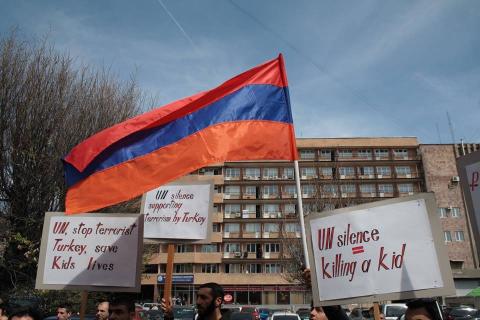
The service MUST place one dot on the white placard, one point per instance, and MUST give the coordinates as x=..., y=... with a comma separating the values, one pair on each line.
x=178, y=212
x=374, y=251
x=83, y=250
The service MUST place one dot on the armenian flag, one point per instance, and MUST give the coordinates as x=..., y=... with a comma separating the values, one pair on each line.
x=246, y=118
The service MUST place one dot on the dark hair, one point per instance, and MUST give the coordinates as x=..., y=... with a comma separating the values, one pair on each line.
x=126, y=300
x=66, y=306
x=430, y=306
x=217, y=290
x=26, y=311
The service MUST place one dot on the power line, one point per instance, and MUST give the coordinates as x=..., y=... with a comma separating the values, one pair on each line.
x=356, y=93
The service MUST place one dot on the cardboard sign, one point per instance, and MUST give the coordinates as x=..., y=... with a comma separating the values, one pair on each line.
x=469, y=170
x=98, y=252
x=384, y=250
x=180, y=211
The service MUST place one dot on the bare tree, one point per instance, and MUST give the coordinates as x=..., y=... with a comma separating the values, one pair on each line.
x=47, y=106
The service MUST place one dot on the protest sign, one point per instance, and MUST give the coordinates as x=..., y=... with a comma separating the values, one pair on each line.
x=179, y=211
x=97, y=252
x=469, y=170
x=386, y=250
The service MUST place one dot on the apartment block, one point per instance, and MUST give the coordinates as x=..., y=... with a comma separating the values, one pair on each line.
x=256, y=213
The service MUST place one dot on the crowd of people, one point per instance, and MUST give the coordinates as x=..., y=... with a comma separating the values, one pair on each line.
x=209, y=307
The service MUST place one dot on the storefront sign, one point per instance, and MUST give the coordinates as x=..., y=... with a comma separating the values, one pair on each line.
x=380, y=251
x=179, y=211
x=177, y=279
x=100, y=252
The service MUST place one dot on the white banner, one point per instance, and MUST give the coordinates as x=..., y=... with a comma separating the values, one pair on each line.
x=178, y=212
x=99, y=250
x=373, y=251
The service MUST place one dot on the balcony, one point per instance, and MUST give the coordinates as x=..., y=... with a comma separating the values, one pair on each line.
x=366, y=176
x=286, y=195
x=368, y=194
x=270, y=235
x=232, y=178
x=190, y=257
x=228, y=196
x=252, y=235
x=232, y=215
x=384, y=176
x=270, y=196
x=271, y=215
x=249, y=196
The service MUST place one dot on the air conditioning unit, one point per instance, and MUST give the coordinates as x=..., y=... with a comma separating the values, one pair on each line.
x=273, y=214
x=245, y=211
x=238, y=254
x=381, y=194
x=266, y=255
x=370, y=176
x=266, y=178
x=257, y=234
x=304, y=177
x=226, y=255
x=266, y=235
x=226, y=234
x=228, y=178
x=455, y=179
x=238, y=215
x=265, y=215
x=379, y=176
x=247, y=178
x=227, y=215
x=226, y=196
x=342, y=176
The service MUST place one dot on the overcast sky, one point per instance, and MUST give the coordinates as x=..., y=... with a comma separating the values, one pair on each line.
x=355, y=68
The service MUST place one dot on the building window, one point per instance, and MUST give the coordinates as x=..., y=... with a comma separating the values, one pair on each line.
x=308, y=190
x=347, y=188
x=403, y=171
x=183, y=268
x=271, y=190
x=251, y=247
x=271, y=227
x=384, y=171
x=270, y=173
x=232, y=247
x=252, y=173
x=288, y=173
x=209, y=268
x=381, y=153
x=233, y=268
x=272, y=247
x=400, y=153
x=447, y=236
x=273, y=268
x=251, y=208
x=442, y=212
x=291, y=227
x=459, y=236
x=326, y=171
x=290, y=189
x=456, y=265
x=232, y=227
x=252, y=227
x=250, y=191
x=365, y=171
x=405, y=187
x=232, y=190
x=232, y=208
x=326, y=154
x=367, y=188
x=254, y=268
x=307, y=154
x=364, y=154
x=216, y=227
x=207, y=248
x=182, y=248
x=346, y=171
x=232, y=173
x=345, y=154
x=455, y=212
x=385, y=188
x=308, y=172
x=271, y=208
x=289, y=208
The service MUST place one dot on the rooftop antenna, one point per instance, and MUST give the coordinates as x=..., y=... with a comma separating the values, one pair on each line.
x=438, y=133
x=450, y=125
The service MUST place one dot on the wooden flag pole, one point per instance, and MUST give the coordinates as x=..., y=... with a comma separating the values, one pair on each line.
x=167, y=292
x=376, y=311
x=83, y=304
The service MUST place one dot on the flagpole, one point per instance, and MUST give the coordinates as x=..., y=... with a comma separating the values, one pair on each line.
x=300, y=212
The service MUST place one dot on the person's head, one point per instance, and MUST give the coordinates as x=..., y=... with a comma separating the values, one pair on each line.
x=381, y=316
x=422, y=309
x=209, y=298
x=317, y=313
x=25, y=314
x=122, y=308
x=64, y=311
x=102, y=311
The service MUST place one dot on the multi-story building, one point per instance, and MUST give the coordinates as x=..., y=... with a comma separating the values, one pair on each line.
x=256, y=210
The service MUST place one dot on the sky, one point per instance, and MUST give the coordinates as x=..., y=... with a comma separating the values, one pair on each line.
x=370, y=68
